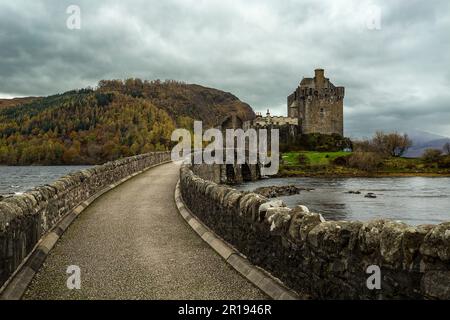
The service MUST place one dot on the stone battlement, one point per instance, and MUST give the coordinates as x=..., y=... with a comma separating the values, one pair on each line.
x=311, y=93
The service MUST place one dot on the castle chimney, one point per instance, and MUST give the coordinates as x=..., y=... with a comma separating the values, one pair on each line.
x=319, y=78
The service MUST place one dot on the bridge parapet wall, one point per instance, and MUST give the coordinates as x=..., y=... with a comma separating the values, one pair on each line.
x=25, y=218
x=326, y=259
x=228, y=173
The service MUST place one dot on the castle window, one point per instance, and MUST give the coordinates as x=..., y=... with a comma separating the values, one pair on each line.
x=322, y=112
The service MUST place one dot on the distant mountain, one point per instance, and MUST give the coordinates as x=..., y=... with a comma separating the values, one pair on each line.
x=424, y=140
x=5, y=103
x=117, y=119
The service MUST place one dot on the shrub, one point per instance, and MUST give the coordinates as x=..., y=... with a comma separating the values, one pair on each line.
x=366, y=161
x=410, y=166
x=341, y=161
x=431, y=155
x=444, y=162
x=302, y=159
x=321, y=142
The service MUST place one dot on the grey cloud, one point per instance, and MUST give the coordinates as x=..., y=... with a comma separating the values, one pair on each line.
x=395, y=78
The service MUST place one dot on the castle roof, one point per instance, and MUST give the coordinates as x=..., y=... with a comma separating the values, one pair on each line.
x=307, y=81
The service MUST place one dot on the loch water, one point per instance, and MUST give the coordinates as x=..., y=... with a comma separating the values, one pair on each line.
x=18, y=179
x=413, y=200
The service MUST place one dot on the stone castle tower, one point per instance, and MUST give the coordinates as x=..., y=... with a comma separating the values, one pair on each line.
x=318, y=105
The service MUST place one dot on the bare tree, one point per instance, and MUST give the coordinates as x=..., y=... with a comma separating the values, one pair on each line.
x=447, y=148
x=379, y=143
x=398, y=144
x=390, y=144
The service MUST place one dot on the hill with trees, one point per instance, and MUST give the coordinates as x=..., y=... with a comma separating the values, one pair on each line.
x=180, y=100
x=117, y=119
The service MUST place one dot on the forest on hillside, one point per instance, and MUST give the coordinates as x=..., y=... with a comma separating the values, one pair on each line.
x=117, y=119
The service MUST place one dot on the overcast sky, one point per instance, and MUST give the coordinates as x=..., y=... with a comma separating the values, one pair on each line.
x=396, y=69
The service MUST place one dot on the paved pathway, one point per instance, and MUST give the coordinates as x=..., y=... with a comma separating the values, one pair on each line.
x=131, y=243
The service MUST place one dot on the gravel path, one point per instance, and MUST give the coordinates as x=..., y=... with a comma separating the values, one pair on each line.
x=131, y=243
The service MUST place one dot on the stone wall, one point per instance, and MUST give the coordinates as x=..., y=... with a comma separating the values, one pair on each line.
x=25, y=218
x=326, y=259
x=228, y=173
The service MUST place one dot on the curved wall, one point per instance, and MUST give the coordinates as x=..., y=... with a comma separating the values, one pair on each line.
x=25, y=218
x=326, y=259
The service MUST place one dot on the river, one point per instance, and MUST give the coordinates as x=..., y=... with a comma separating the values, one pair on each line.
x=413, y=200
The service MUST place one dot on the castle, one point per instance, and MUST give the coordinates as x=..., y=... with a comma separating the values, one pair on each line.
x=316, y=106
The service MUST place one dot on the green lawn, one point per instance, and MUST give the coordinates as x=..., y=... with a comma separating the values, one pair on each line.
x=320, y=164
x=314, y=158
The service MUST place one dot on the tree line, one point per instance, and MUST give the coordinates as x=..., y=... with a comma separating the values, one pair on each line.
x=371, y=154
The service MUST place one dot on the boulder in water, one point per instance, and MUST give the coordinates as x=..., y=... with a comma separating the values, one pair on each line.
x=370, y=195
x=277, y=191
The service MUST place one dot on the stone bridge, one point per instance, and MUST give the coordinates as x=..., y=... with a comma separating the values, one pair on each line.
x=230, y=173
x=130, y=243
x=120, y=224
